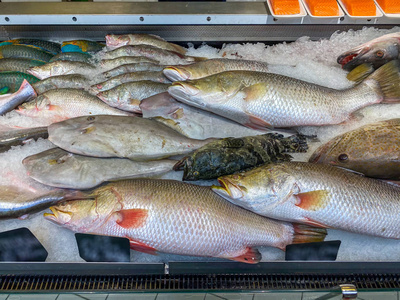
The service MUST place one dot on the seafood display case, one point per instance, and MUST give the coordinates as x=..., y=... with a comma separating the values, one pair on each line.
x=216, y=24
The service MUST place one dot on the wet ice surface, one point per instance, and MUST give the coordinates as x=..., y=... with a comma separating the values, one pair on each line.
x=313, y=61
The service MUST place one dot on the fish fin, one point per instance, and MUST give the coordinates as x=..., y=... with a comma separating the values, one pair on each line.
x=360, y=73
x=388, y=79
x=142, y=247
x=180, y=164
x=257, y=123
x=251, y=256
x=307, y=234
x=132, y=218
x=314, y=223
x=254, y=92
x=392, y=182
x=351, y=171
x=52, y=107
x=313, y=200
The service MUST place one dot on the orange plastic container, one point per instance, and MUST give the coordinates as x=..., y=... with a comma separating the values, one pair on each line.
x=285, y=7
x=360, y=7
x=390, y=6
x=323, y=8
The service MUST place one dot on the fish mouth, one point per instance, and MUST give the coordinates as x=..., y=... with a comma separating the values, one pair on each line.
x=176, y=74
x=57, y=215
x=101, y=96
x=182, y=91
x=351, y=59
x=111, y=42
x=33, y=72
x=229, y=188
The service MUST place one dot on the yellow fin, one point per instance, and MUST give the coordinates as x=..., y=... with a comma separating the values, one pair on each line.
x=255, y=91
x=361, y=72
x=313, y=200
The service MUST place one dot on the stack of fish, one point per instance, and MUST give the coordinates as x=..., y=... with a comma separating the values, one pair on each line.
x=127, y=113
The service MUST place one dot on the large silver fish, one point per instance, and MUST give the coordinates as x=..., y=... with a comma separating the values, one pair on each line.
x=75, y=81
x=317, y=194
x=114, y=136
x=62, y=67
x=180, y=218
x=59, y=168
x=260, y=100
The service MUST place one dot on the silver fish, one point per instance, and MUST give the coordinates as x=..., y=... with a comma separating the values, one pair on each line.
x=108, y=64
x=75, y=81
x=59, y=168
x=62, y=67
x=136, y=67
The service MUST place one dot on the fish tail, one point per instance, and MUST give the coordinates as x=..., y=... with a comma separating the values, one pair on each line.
x=387, y=78
x=295, y=143
x=308, y=234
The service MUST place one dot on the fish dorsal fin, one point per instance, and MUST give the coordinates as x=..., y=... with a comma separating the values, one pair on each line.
x=312, y=200
x=350, y=171
x=131, y=218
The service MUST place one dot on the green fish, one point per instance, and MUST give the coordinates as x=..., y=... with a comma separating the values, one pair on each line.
x=23, y=51
x=231, y=155
x=51, y=47
x=13, y=80
x=72, y=56
x=19, y=64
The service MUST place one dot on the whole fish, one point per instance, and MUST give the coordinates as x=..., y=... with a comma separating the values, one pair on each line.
x=61, y=104
x=114, y=41
x=317, y=194
x=19, y=64
x=115, y=136
x=377, y=52
x=175, y=217
x=18, y=137
x=62, y=67
x=59, y=168
x=161, y=55
x=136, y=67
x=9, y=101
x=53, y=48
x=16, y=202
x=127, y=96
x=232, y=155
x=13, y=80
x=82, y=46
x=75, y=81
x=22, y=51
x=261, y=100
x=190, y=121
x=373, y=150
x=155, y=76
x=72, y=56
x=108, y=64
x=212, y=66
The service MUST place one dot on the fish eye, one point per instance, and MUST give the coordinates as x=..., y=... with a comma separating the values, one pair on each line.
x=343, y=157
x=196, y=173
x=90, y=119
x=379, y=54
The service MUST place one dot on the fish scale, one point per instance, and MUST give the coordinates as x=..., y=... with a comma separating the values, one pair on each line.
x=317, y=194
x=173, y=217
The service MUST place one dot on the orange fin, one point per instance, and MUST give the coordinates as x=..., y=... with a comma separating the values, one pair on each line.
x=254, y=92
x=141, y=247
x=313, y=200
x=258, y=123
x=132, y=218
x=251, y=256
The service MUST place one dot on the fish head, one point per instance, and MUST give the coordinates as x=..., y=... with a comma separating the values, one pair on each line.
x=36, y=107
x=209, y=91
x=375, y=53
x=114, y=41
x=177, y=73
x=259, y=189
x=39, y=72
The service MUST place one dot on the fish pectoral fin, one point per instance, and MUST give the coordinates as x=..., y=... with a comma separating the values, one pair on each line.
x=254, y=92
x=131, y=218
x=313, y=200
x=360, y=73
x=314, y=223
x=142, y=247
x=257, y=123
x=250, y=256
